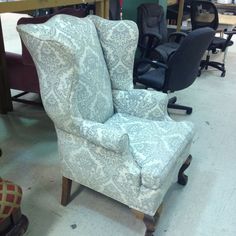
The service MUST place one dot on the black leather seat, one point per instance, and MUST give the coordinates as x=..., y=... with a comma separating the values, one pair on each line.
x=181, y=69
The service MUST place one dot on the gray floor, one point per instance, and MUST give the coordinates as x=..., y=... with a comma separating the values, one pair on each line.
x=205, y=207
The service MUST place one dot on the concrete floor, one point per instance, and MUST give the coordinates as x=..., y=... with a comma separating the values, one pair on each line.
x=205, y=207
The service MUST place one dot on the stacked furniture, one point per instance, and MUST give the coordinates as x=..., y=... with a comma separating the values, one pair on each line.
x=153, y=39
x=181, y=69
x=205, y=14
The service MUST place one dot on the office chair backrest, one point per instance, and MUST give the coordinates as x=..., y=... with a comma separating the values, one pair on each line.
x=114, y=9
x=184, y=64
x=151, y=19
x=204, y=14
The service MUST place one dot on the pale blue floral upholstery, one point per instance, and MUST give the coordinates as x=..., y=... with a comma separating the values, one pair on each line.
x=119, y=43
x=141, y=103
x=111, y=138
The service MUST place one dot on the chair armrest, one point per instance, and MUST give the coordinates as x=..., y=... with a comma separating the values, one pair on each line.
x=144, y=65
x=229, y=36
x=230, y=32
x=141, y=103
x=176, y=37
x=101, y=135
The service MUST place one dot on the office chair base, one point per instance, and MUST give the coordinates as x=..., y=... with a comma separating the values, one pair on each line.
x=220, y=66
x=172, y=105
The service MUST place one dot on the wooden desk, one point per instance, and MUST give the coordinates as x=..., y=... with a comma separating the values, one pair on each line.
x=102, y=9
x=227, y=20
x=225, y=7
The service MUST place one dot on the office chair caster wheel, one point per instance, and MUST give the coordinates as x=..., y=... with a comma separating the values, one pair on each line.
x=223, y=74
x=199, y=73
x=189, y=111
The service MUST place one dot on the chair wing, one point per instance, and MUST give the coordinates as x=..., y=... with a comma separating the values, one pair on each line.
x=64, y=48
x=119, y=41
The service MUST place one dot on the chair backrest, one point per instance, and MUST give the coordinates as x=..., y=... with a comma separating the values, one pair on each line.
x=204, y=14
x=151, y=19
x=26, y=57
x=119, y=41
x=73, y=75
x=183, y=66
x=79, y=61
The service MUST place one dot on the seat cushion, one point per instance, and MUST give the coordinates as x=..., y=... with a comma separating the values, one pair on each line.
x=164, y=51
x=157, y=142
x=153, y=79
x=219, y=42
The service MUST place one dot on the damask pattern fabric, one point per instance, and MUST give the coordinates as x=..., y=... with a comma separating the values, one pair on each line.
x=157, y=147
x=141, y=103
x=119, y=41
x=111, y=138
x=78, y=71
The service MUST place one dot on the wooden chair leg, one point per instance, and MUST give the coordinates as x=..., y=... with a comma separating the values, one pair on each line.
x=149, y=221
x=66, y=190
x=182, y=178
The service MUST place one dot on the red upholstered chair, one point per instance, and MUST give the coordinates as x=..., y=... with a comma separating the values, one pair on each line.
x=22, y=74
x=12, y=222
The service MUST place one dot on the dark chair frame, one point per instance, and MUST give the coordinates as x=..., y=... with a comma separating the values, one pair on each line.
x=213, y=46
x=175, y=75
x=157, y=34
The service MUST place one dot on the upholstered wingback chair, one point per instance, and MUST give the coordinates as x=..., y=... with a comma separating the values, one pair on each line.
x=112, y=138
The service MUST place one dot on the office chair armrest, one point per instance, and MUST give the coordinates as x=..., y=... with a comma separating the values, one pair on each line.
x=144, y=65
x=229, y=36
x=141, y=103
x=176, y=37
x=230, y=32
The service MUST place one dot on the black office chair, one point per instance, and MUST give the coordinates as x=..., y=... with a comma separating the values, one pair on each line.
x=205, y=14
x=114, y=10
x=181, y=69
x=152, y=23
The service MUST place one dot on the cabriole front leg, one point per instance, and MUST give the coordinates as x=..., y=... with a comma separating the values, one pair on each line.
x=182, y=178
